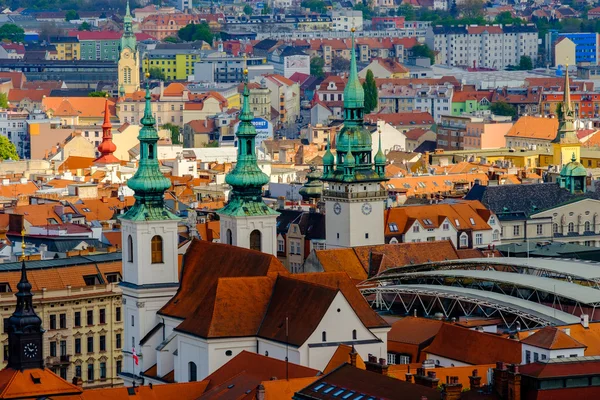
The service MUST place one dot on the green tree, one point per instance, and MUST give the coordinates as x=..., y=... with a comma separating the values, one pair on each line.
x=453, y=9
x=71, y=15
x=84, y=27
x=97, y=94
x=171, y=39
x=407, y=11
x=193, y=32
x=559, y=111
x=7, y=149
x=12, y=32
x=339, y=64
x=266, y=10
x=248, y=9
x=503, y=108
x=471, y=9
x=422, y=50
x=367, y=11
x=317, y=6
x=525, y=63
x=370, y=88
x=505, y=18
x=316, y=67
x=156, y=73
x=175, y=132
x=3, y=100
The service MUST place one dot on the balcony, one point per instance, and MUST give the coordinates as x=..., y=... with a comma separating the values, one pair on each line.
x=58, y=360
x=354, y=195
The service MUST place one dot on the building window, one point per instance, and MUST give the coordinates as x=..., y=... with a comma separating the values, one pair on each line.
x=479, y=238
x=445, y=226
x=587, y=226
x=324, y=336
x=496, y=235
x=77, y=346
x=102, y=316
x=126, y=75
x=157, y=249
x=90, y=372
x=119, y=366
x=192, y=372
x=63, y=321
x=102, y=370
x=416, y=228
x=132, y=321
x=78, y=371
x=90, y=317
x=464, y=240
x=540, y=229
x=280, y=246
x=102, y=343
x=53, y=321
x=255, y=240
x=516, y=230
x=5, y=352
x=90, y=344
x=229, y=236
x=554, y=228
x=118, y=341
x=118, y=314
x=527, y=356
x=52, y=349
x=571, y=227
x=129, y=249
x=354, y=336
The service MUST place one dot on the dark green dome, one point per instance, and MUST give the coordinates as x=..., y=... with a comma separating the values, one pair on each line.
x=313, y=187
x=356, y=137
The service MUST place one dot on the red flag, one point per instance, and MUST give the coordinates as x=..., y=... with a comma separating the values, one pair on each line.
x=136, y=359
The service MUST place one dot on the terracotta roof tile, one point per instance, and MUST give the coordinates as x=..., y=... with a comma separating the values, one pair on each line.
x=414, y=330
x=551, y=338
x=530, y=127
x=18, y=95
x=399, y=119
x=20, y=385
x=284, y=389
x=342, y=356
x=85, y=107
x=472, y=347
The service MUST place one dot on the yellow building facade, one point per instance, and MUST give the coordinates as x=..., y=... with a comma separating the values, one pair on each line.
x=67, y=48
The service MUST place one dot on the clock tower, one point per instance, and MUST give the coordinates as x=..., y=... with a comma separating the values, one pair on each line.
x=354, y=199
x=129, y=58
x=24, y=329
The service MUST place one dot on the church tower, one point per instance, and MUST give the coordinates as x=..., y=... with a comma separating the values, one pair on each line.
x=566, y=145
x=354, y=200
x=150, y=245
x=107, y=147
x=246, y=221
x=129, y=58
x=24, y=328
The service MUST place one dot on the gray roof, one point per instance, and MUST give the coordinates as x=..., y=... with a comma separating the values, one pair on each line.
x=63, y=262
x=573, y=291
x=553, y=316
x=523, y=199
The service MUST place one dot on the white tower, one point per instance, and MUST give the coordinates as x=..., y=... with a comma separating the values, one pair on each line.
x=354, y=200
x=246, y=221
x=150, y=263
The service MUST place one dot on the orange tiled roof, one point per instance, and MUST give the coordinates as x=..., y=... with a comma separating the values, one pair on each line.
x=18, y=189
x=406, y=118
x=18, y=95
x=473, y=347
x=22, y=384
x=86, y=107
x=589, y=336
x=180, y=391
x=342, y=356
x=551, y=338
x=284, y=389
x=433, y=184
x=414, y=330
x=530, y=127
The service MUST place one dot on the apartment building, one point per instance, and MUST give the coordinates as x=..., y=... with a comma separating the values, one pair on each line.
x=298, y=233
x=467, y=225
x=175, y=61
x=224, y=69
x=489, y=46
x=285, y=97
x=344, y=20
x=67, y=48
x=79, y=302
x=585, y=104
x=434, y=99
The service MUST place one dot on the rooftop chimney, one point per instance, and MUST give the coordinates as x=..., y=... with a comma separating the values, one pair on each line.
x=452, y=389
x=475, y=380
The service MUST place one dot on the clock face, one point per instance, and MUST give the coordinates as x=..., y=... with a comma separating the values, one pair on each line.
x=30, y=350
x=126, y=54
x=366, y=208
x=337, y=208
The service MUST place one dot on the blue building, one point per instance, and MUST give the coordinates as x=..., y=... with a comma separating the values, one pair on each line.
x=587, y=44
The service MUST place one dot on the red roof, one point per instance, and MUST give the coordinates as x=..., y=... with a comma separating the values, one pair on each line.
x=473, y=347
x=462, y=96
x=557, y=368
x=17, y=78
x=18, y=95
x=551, y=338
x=406, y=118
x=415, y=134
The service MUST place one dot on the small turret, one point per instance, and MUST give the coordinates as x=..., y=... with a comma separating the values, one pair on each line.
x=328, y=159
x=380, y=159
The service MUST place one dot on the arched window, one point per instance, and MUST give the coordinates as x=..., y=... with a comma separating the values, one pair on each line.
x=157, y=249
x=150, y=152
x=255, y=240
x=129, y=249
x=571, y=227
x=354, y=334
x=324, y=336
x=393, y=240
x=248, y=147
x=587, y=226
x=192, y=372
x=464, y=240
x=127, y=75
x=555, y=228
x=229, y=237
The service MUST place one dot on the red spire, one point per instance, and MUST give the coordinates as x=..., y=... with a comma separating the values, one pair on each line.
x=107, y=147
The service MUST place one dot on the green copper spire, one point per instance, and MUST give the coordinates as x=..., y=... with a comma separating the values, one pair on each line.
x=148, y=183
x=566, y=124
x=328, y=159
x=380, y=159
x=354, y=94
x=246, y=179
x=128, y=39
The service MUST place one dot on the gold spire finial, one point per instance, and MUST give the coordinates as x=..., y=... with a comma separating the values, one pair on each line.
x=23, y=244
x=353, y=30
x=147, y=74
